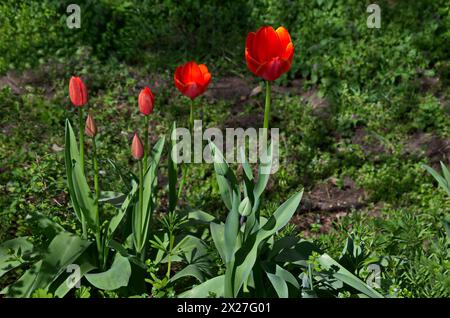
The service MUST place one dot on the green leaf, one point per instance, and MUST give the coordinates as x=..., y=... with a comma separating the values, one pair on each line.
x=204, y=290
x=141, y=223
x=80, y=194
x=246, y=256
x=63, y=250
x=117, y=276
x=264, y=174
x=218, y=235
x=190, y=270
x=441, y=181
x=346, y=277
x=13, y=252
x=112, y=197
x=279, y=285
x=200, y=216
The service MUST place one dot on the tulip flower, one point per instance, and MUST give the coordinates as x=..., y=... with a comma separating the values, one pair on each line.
x=269, y=55
x=77, y=92
x=145, y=101
x=137, y=150
x=192, y=79
x=90, y=127
x=79, y=97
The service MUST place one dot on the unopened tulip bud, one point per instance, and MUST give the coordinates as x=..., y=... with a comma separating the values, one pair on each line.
x=145, y=101
x=137, y=150
x=90, y=127
x=245, y=207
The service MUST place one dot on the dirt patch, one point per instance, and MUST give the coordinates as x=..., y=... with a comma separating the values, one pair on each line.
x=232, y=89
x=313, y=223
x=37, y=78
x=429, y=145
x=369, y=143
x=328, y=197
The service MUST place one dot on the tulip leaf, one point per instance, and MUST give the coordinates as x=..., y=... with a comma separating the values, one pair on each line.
x=62, y=251
x=347, y=277
x=141, y=219
x=79, y=191
x=212, y=287
x=246, y=256
x=117, y=276
x=13, y=252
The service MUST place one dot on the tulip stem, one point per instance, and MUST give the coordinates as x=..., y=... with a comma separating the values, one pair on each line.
x=80, y=117
x=267, y=107
x=81, y=123
x=147, y=119
x=97, y=199
x=191, y=117
x=141, y=198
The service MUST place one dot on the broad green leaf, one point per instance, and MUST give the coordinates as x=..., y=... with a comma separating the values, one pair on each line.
x=279, y=285
x=212, y=287
x=117, y=276
x=63, y=250
x=64, y=285
x=191, y=270
x=112, y=197
x=13, y=252
x=117, y=219
x=218, y=235
x=246, y=256
x=80, y=193
x=346, y=277
x=264, y=174
x=200, y=216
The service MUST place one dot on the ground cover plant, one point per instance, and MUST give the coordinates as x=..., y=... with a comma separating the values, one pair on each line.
x=95, y=203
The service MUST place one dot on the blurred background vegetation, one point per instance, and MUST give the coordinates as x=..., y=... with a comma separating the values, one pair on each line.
x=359, y=112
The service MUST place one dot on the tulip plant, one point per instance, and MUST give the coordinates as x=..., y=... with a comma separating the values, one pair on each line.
x=258, y=260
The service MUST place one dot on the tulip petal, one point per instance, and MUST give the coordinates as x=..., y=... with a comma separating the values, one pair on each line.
x=272, y=70
x=288, y=53
x=252, y=64
x=266, y=44
x=249, y=42
x=284, y=37
x=191, y=73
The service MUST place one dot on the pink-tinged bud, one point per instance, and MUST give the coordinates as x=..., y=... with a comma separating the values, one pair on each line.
x=145, y=101
x=137, y=150
x=90, y=128
x=78, y=92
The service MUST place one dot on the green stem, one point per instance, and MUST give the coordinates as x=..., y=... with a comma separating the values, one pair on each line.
x=141, y=198
x=267, y=108
x=172, y=239
x=147, y=119
x=81, y=124
x=191, y=117
x=96, y=202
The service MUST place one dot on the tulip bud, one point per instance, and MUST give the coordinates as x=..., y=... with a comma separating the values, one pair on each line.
x=245, y=207
x=145, y=101
x=90, y=127
x=77, y=92
x=137, y=150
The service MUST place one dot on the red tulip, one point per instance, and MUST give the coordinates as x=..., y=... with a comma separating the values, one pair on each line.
x=137, y=150
x=192, y=79
x=268, y=52
x=90, y=127
x=77, y=92
x=145, y=101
